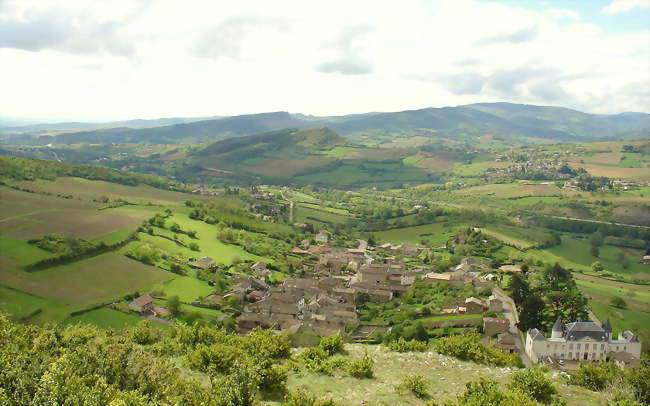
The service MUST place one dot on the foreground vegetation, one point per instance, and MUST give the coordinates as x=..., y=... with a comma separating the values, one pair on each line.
x=81, y=364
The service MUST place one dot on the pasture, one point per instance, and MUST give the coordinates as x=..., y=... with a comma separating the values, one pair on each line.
x=105, y=318
x=21, y=304
x=207, y=240
x=317, y=217
x=26, y=215
x=283, y=168
x=94, y=189
x=615, y=171
x=434, y=233
x=328, y=209
x=477, y=168
x=574, y=253
x=383, y=174
x=85, y=282
x=186, y=288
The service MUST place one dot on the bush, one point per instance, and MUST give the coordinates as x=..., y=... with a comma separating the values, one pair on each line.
x=469, y=348
x=595, y=375
x=534, y=383
x=402, y=345
x=362, y=367
x=332, y=344
x=302, y=398
x=414, y=384
x=639, y=380
x=194, y=246
x=619, y=302
x=487, y=392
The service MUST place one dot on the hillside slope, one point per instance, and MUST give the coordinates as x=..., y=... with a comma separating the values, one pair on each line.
x=505, y=123
x=508, y=122
x=198, y=131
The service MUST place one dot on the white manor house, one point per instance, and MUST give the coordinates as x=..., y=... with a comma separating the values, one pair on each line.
x=582, y=341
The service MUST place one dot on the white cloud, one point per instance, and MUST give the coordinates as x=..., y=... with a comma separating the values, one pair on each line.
x=623, y=6
x=170, y=58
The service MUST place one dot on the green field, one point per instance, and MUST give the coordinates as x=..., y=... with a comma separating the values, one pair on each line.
x=88, y=281
x=574, y=253
x=435, y=233
x=207, y=240
x=105, y=318
x=307, y=215
x=185, y=287
x=21, y=304
x=384, y=174
x=328, y=209
x=522, y=238
x=21, y=251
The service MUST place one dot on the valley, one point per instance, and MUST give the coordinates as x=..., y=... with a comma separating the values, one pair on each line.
x=393, y=244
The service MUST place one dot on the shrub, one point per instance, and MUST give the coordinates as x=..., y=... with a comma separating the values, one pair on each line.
x=618, y=301
x=487, y=392
x=332, y=344
x=639, y=380
x=194, y=246
x=595, y=375
x=402, y=345
x=362, y=367
x=533, y=383
x=415, y=384
x=302, y=398
x=469, y=348
x=217, y=358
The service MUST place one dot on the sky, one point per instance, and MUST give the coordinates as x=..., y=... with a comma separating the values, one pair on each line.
x=121, y=59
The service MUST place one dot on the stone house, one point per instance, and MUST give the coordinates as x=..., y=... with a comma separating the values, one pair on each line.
x=506, y=342
x=203, y=263
x=473, y=306
x=142, y=304
x=493, y=326
x=494, y=304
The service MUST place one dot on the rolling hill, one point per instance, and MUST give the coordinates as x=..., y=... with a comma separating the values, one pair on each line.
x=502, y=123
x=313, y=155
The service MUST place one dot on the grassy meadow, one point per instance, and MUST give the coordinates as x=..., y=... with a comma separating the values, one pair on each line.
x=435, y=233
x=445, y=377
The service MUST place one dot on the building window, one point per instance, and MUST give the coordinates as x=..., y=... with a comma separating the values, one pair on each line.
x=578, y=346
x=570, y=355
x=602, y=346
x=571, y=346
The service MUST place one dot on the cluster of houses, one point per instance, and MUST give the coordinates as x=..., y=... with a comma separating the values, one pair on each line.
x=324, y=300
x=467, y=272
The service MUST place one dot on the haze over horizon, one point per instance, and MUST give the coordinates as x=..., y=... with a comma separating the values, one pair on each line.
x=89, y=61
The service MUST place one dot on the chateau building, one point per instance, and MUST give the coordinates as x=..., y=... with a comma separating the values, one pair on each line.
x=582, y=341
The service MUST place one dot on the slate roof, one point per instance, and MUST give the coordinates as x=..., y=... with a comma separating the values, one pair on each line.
x=558, y=326
x=582, y=329
x=536, y=335
x=607, y=326
x=629, y=337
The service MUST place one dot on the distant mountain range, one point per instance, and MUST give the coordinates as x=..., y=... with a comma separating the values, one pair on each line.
x=474, y=124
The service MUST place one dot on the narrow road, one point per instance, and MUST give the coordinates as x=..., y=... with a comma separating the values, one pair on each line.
x=511, y=314
x=291, y=204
